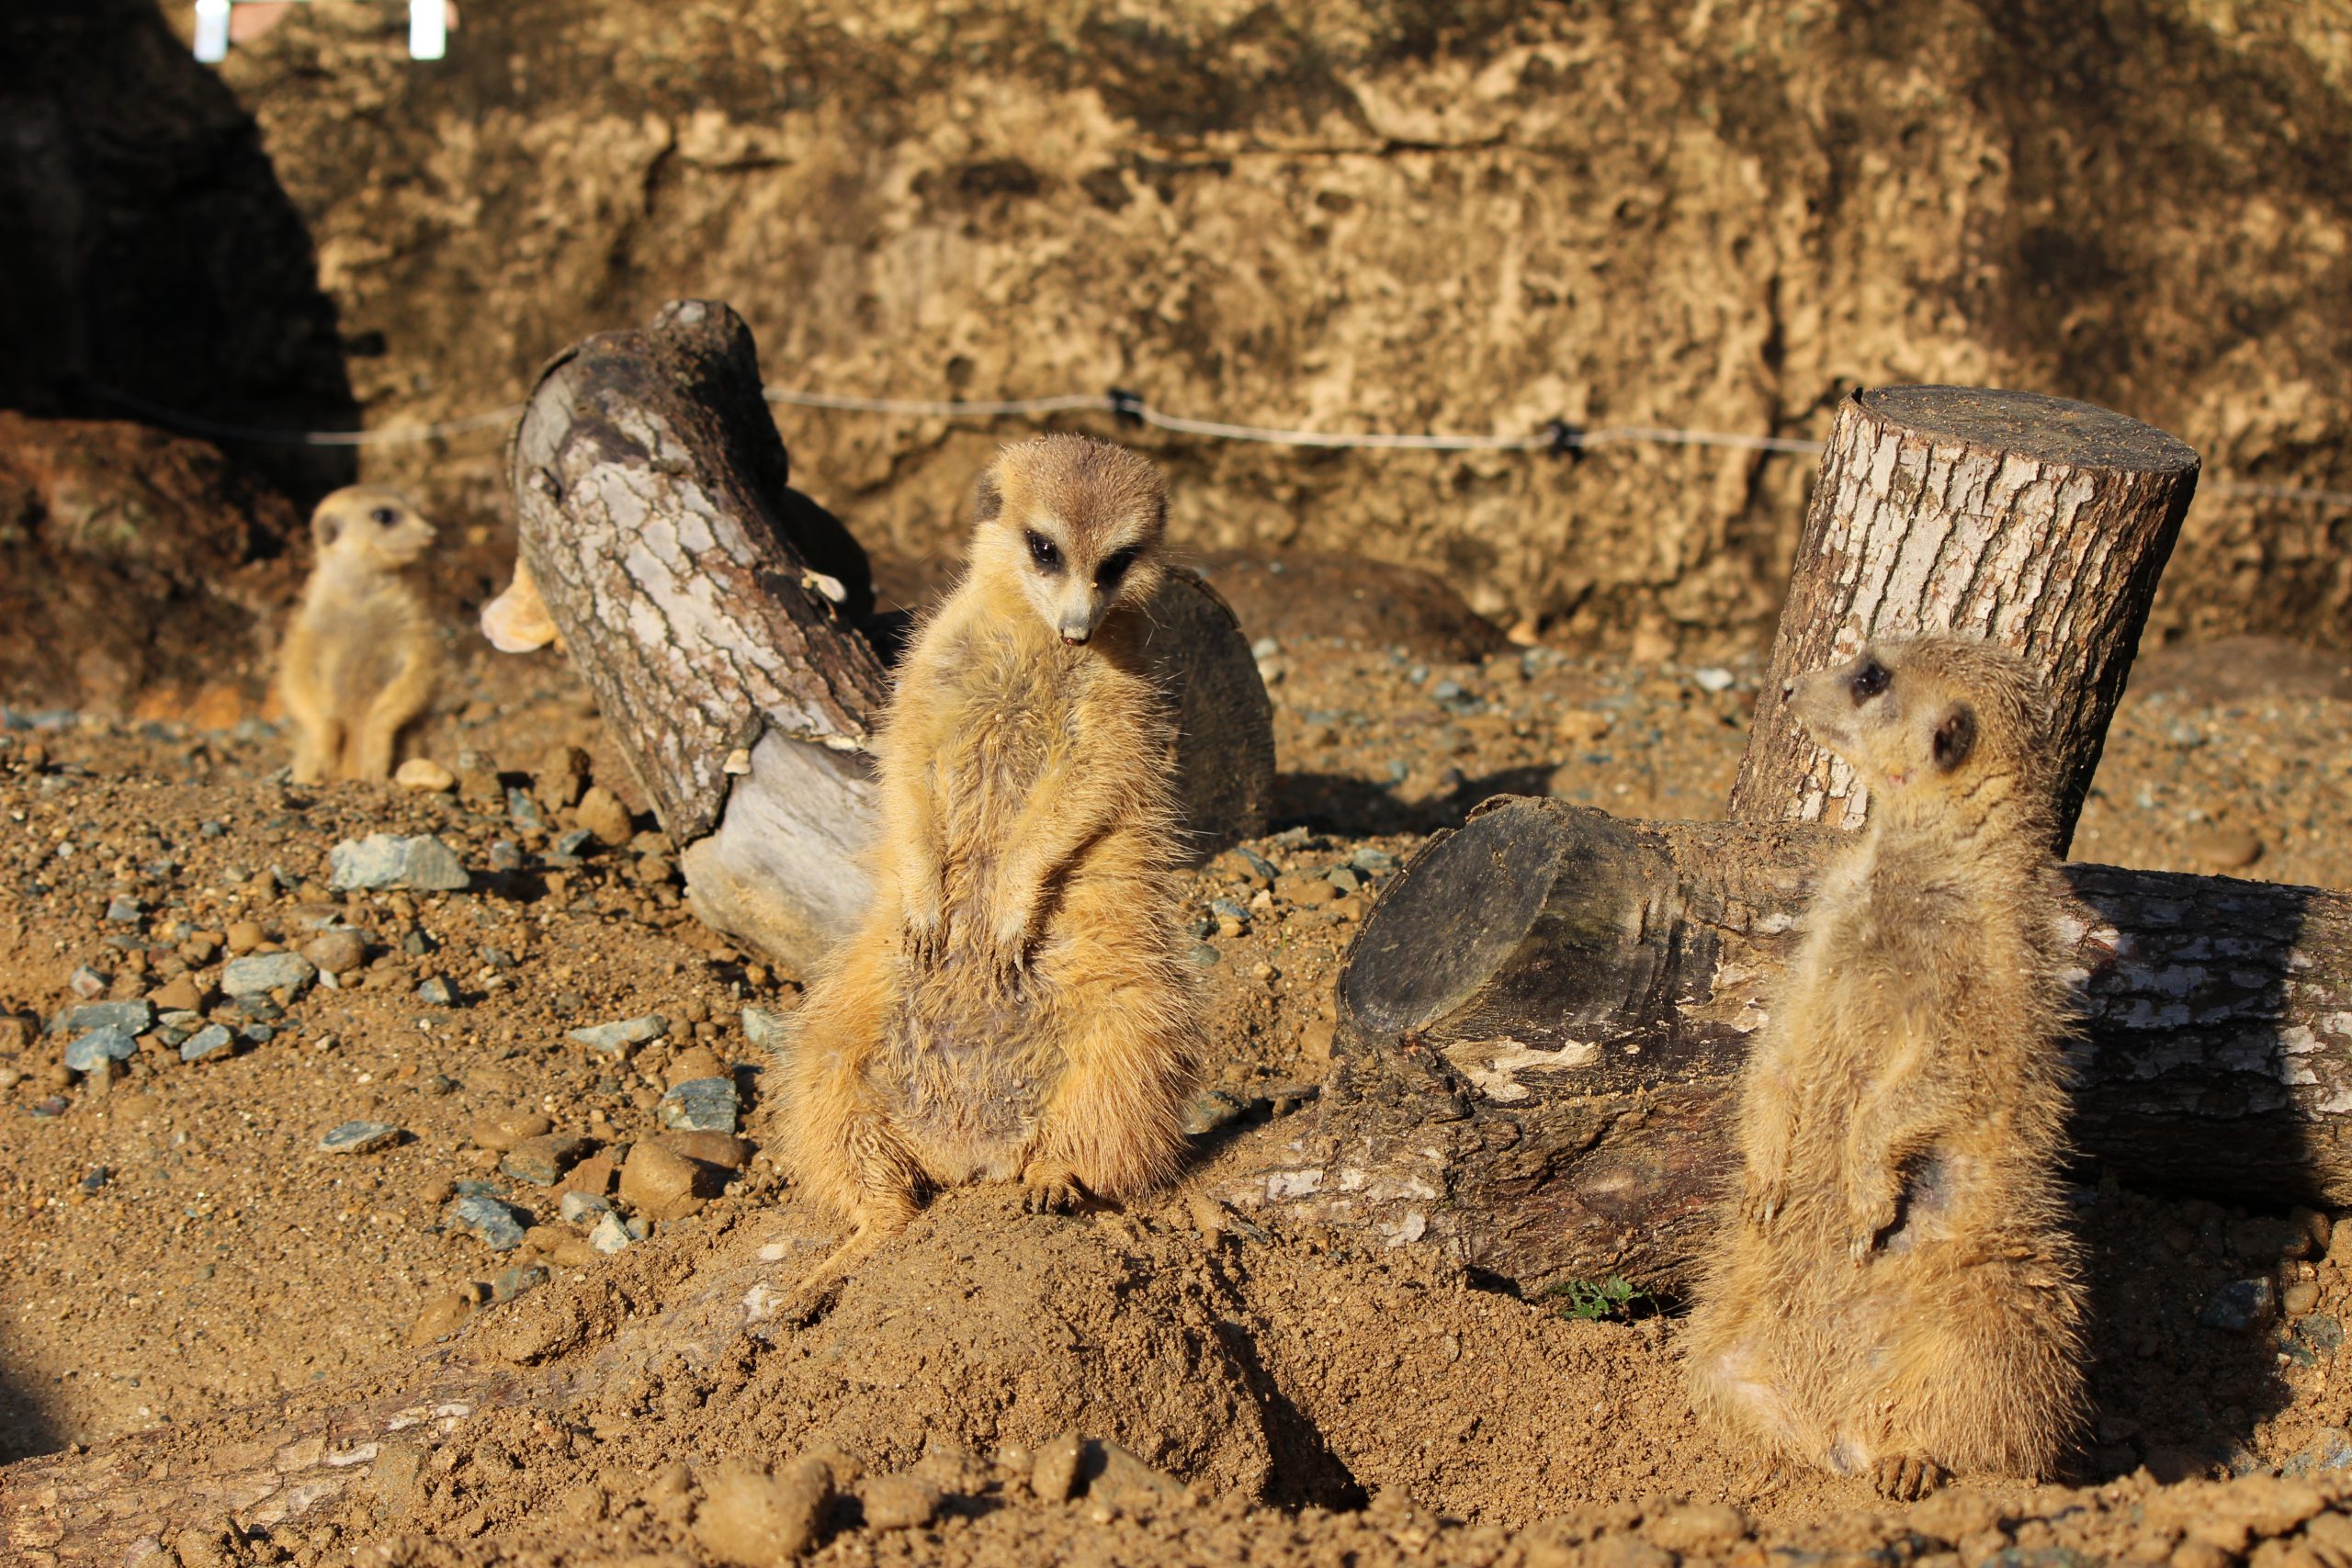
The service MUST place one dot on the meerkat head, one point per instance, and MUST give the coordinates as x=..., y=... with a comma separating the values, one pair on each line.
x=1076, y=525
x=370, y=526
x=1937, y=716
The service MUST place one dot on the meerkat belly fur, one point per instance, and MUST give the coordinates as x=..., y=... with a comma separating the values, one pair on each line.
x=1896, y=1293
x=1017, y=1005
x=359, y=659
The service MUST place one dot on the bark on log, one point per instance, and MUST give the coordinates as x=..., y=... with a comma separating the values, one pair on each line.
x=1544, y=1018
x=2038, y=522
x=720, y=619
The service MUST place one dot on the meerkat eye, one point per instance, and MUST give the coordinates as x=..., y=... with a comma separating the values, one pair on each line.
x=1115, y=567
x=1869, y=682
x=1042, y=551
x=384, y=516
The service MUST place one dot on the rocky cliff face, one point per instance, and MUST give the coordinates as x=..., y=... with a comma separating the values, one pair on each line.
x=1386, y=216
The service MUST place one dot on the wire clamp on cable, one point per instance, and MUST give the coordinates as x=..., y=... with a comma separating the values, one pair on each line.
x=1126, y=406
x=1564, y=440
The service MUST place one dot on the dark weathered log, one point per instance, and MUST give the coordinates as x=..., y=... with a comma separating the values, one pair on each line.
x=2038, y=522
x=720, y=620
x=1543, y=1020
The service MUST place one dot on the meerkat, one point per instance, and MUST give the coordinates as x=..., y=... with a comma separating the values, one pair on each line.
x=1895, y=1291
x=359, y=660
x=1018, y=1003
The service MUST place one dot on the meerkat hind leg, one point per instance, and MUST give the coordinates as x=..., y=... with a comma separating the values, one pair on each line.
x=1906, y=1477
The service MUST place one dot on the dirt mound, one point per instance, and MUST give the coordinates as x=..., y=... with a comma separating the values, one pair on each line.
x=135, y=566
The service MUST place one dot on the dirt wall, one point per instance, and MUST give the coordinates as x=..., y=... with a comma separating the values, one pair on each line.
x=1384, y=216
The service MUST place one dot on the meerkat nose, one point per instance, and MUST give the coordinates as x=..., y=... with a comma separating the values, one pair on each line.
x=1075, y=640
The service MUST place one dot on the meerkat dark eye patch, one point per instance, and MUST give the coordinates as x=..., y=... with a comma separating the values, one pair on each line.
x=1955, y=737
x=1870, y=681
x=1115, y=567
x=1042, y=551
x=384, y=516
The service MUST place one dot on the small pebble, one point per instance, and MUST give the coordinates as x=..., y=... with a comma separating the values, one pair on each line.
x=212, y=1040
x=700, y=1105
x=264, y=973
x=243, y=936
x=337, y=952
x=425, y=775
x=542, y=1160
x=124, y=911
x=360, y=1138
x=500, y=1226
x=609, y=1234
x=87, y=983
x=513, y=1283
x=2239, y=1306
x=660, y=1183
x=602, y=814
x=1713, y=678
x=505, y=855
x=617, y=1039
x=435, y=992
x=90, y=1053
x=899, y=1502
x=765, y=1027
x=502, y=1130
x=386, y=860
x=579, y=1208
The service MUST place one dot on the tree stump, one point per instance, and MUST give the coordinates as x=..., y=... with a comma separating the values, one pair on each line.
x=722, y=621
x=2038, y=522
x=1543, y=1023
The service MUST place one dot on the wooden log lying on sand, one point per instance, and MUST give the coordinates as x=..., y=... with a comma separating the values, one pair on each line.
x=722, y=620
x=1543, y=1023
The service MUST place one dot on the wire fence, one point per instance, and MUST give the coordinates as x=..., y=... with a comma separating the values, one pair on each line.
x=1558, y=436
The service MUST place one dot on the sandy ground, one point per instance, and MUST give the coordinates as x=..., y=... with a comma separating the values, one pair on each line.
x=180, y=1250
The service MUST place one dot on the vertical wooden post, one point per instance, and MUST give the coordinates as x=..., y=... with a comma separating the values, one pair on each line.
x=2037, y=522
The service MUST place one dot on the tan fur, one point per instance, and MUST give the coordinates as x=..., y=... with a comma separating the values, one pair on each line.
x=1018, y=1004
x=360, y=657
x=1896, y=1293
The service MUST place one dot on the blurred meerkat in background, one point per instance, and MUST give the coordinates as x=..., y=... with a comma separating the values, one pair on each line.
x=360, y=657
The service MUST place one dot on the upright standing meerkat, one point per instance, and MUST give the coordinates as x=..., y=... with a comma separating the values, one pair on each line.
x=359, y=660
x=1018, y=1003
x=1896, y=1293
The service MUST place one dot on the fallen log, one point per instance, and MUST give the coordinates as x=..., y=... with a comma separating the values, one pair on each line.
x=2038, y=522
x=721, y=619
x=1543, y=1021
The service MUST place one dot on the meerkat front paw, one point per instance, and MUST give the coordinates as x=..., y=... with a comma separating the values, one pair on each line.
x=1761, y=1201
x=1906, y=1478
x=922, y=930
x=1051, y=1190
x=1009, y=944
x=1866, y=1222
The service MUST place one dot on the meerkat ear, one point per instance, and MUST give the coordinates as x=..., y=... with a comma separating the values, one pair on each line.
x=1955, y=736
x=326, y=528
x=988, y=498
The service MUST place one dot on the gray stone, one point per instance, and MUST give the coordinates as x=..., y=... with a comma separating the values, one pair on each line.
x=1257, y=862
x=1372, y=860
x=124, y=911
x=541, y=1161
x=132, y=1018
x=86, y=983
x=96, y=1178
x=2330, y=1455
x=572, y=844
x=505, y=854
x=700, y=1105
x=435, y=992
x=524, y=812
x=767, y=1028
x=360, y=1138
x=1205, y=955
x=1346, y=878
x=579, y=1208
x=618, y=1038
x=499, y=1224
x=610, y=1235
x=257, y=975
x=257, y=1034
x=1212, y=1109
x=210, y=1040
x=90, y=1053
x=386, y=860
x=2239, y=1306
x=513, y=1282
